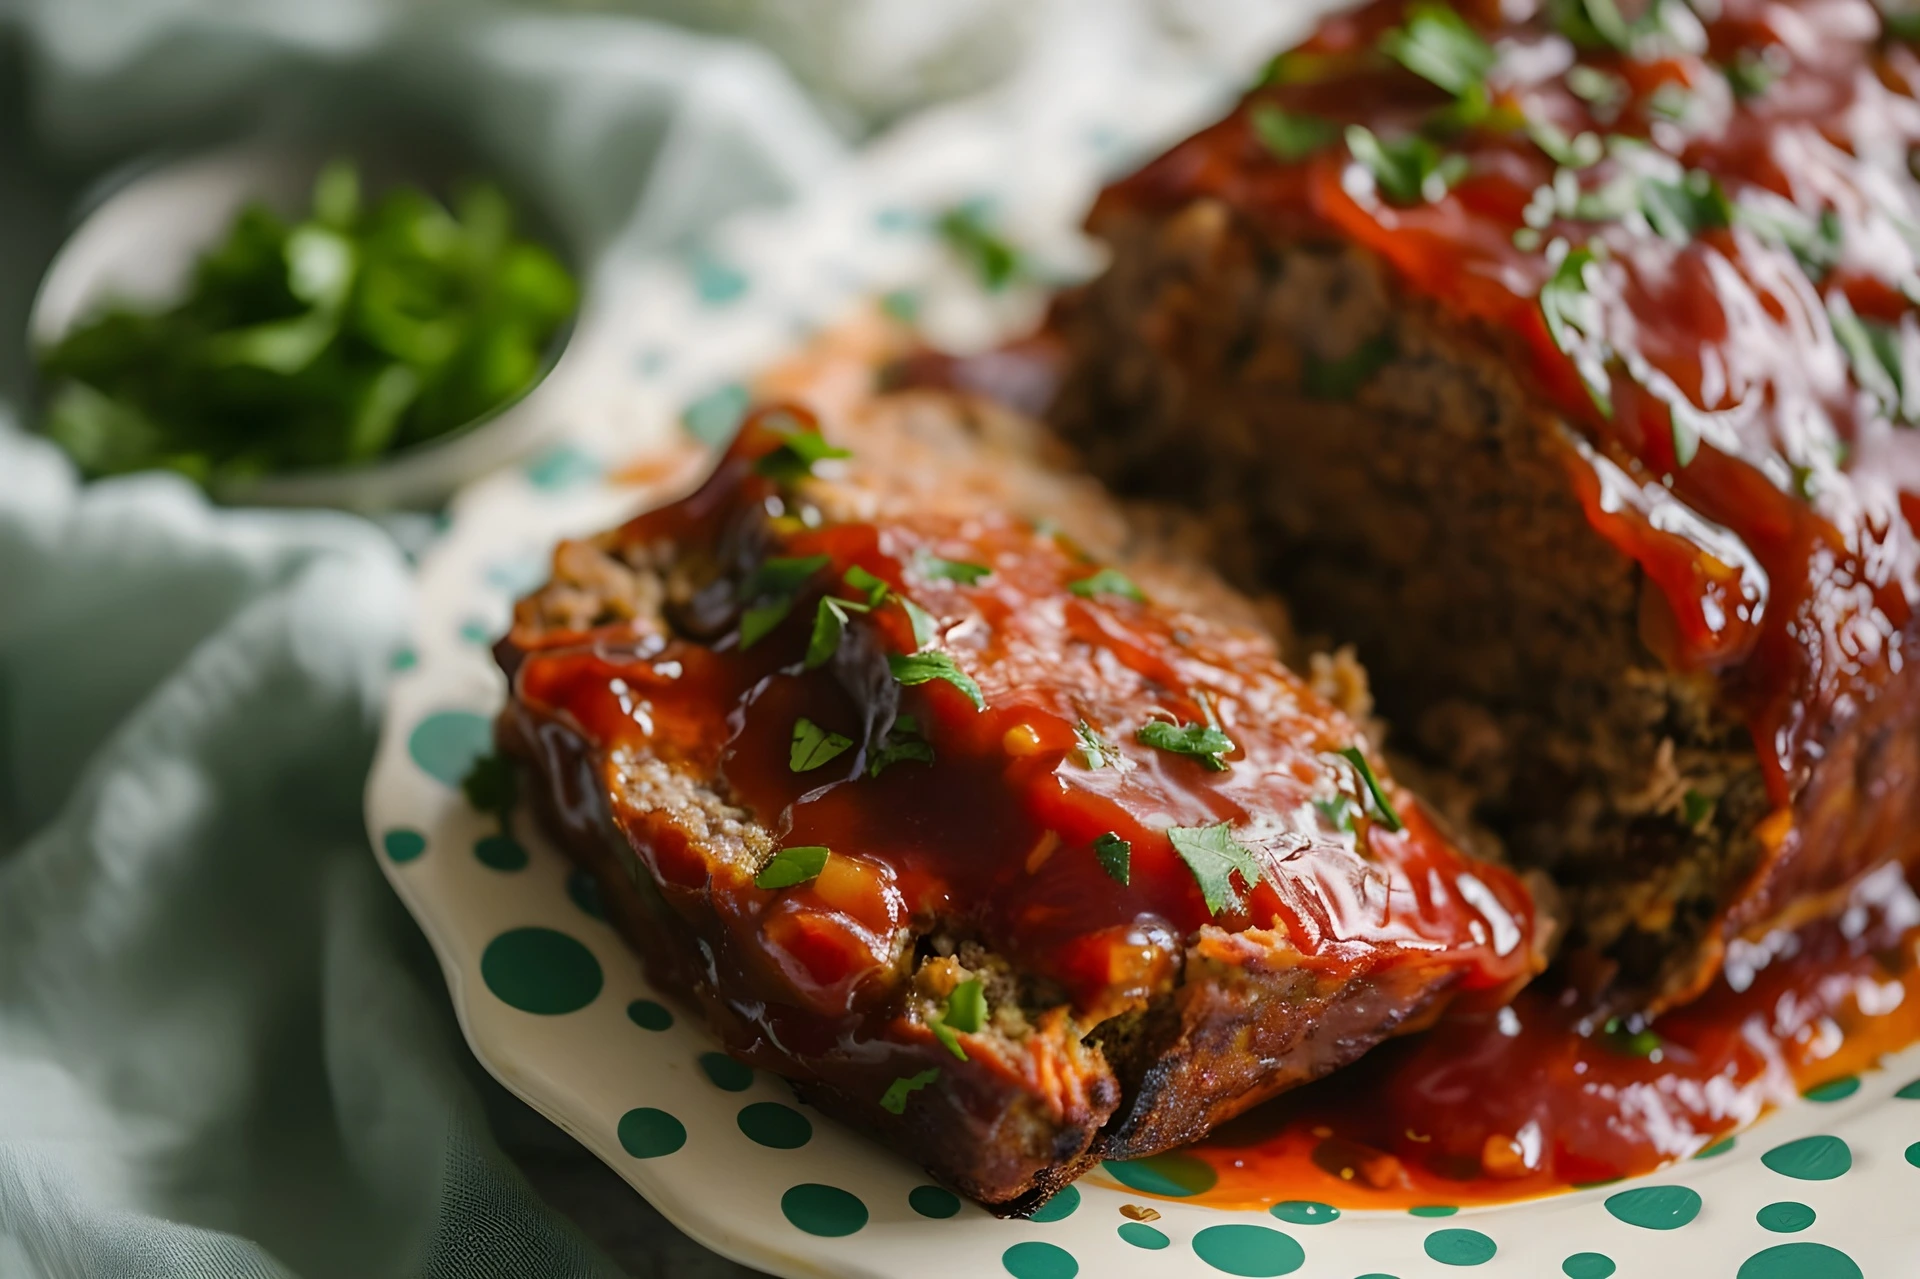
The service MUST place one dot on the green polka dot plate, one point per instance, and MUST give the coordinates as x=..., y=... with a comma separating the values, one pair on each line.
x=557, y=1008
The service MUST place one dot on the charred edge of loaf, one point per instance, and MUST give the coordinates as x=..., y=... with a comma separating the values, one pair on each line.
x=1401, y=491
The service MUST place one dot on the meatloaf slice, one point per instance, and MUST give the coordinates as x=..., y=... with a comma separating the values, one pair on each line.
x=1003, y=835
x=1564, y=361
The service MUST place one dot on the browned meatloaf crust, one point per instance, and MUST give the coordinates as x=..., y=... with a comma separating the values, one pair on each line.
x=1024, y=852
x=1581, y=401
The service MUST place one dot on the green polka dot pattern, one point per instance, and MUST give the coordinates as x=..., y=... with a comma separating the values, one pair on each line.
x=648, y=1015
x=1587, y=1265
x=778, y=1127
x=1141, y=1235
x=1257, y=1251
x=1913, y=1154
x=934, y=1201
x=1834, y=1089
x=1810, y=1159
x=403, y=845
x=1433, y=1210
x=500, y=852
x=726, y=1073
x=1717, y=1149
x=446, y=743
x=1459, y=1247
x=1058, y=1208
x=1911, y=1092
x=1785, y=1217
x=1655, y=1207
x=584, y=889
x=539, y=970
x=1175, y=1175
x=1036, y=1260
x=1799, y=1261
x=561, y=467
x=827, y=1211
x=1305, y=1212
x=646, y=1133
x=714, y=417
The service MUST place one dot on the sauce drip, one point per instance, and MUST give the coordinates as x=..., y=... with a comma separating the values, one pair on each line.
x=1739, y=178
x=1489, y=1107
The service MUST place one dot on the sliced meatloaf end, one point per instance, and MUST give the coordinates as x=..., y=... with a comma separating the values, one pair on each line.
x=859, y=751
x=1477, y=429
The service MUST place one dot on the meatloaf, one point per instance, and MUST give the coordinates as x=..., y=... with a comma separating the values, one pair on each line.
x=1563, y=356
x=994, y=824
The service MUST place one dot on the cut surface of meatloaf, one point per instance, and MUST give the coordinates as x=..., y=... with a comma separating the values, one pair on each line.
x=1001, y=833
x=1564, y=362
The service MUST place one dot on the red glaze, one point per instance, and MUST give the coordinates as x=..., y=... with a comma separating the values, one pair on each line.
x=995, y=836
x=1504, y=1105
x=1783, y=554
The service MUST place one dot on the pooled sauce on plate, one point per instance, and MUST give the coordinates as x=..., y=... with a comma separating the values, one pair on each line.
x=1693, y=232
x=1496, y=1106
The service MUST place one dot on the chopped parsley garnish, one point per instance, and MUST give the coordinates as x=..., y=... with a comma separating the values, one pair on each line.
x=1571, y=313
x=1338, y=811
x=1602, y=91
x=1617, y=1036
x=1437, y=45
x=1383, y=807
x=951, y=570
x=1695, y=808
x=1202, y=741
x=1753, y=71
x=1340, y=379
x=1407, y=169
x=1581, y=151
x=492, y=785
x=894, y=1100
x=1116, y=857
x=1290, y=135
x=997, y=262
x=967, y=1006
x=920, y=668
x=903, y=742
x=792, y=866
x=813, y=746
x=829, y=624
x=771, y=589
x=1591, y=24
x=924, y=627
x=1873, y=348
x=1108, y=581
x=800, y=447
x=1680, y=211
x=1095, y=751
x=873, y=587
x=1214, y=857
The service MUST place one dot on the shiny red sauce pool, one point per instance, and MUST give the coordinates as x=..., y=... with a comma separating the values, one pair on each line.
x=1485, y=1109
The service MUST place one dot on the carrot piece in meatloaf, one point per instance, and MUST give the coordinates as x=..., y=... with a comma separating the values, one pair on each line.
x=1006, y=842
x=1564, y=357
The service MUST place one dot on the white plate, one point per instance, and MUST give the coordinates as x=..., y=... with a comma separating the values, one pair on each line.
x=556, y=1007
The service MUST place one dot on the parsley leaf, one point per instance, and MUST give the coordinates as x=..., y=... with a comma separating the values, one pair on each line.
x=944, y=1033
x=773, y=586
x=1202, y=741
x=1437, y=45
x=813, y=746
x=1214, y=857
x=1618, y=1036
x=1753, y=71
x=1873, y=348
x=875, y=588
x=951, y=570
x=1338, y=811
x=1116, y=857
x=919, y=668
x=829, y=624
x=1572, y=313
x=1680, y=211
x=1290, y=135
x=1695, y=808
x=967, y=1006
x=800, y=447
x=1383, y=807
x=1096, y=752
x=792, y=866
x=1408, y=169
x=903, y=742
x=924, y=627
x=492, y=785
x=993, y=257
x=1108, y=581
x=894, y=1100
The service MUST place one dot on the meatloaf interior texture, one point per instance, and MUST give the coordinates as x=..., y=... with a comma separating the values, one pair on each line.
x=862, y=750
x=1611, y=518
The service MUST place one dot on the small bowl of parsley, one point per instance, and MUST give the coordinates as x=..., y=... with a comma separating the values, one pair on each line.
x=292, y=331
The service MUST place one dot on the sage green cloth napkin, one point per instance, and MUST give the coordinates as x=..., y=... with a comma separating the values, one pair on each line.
x=224, y=1049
